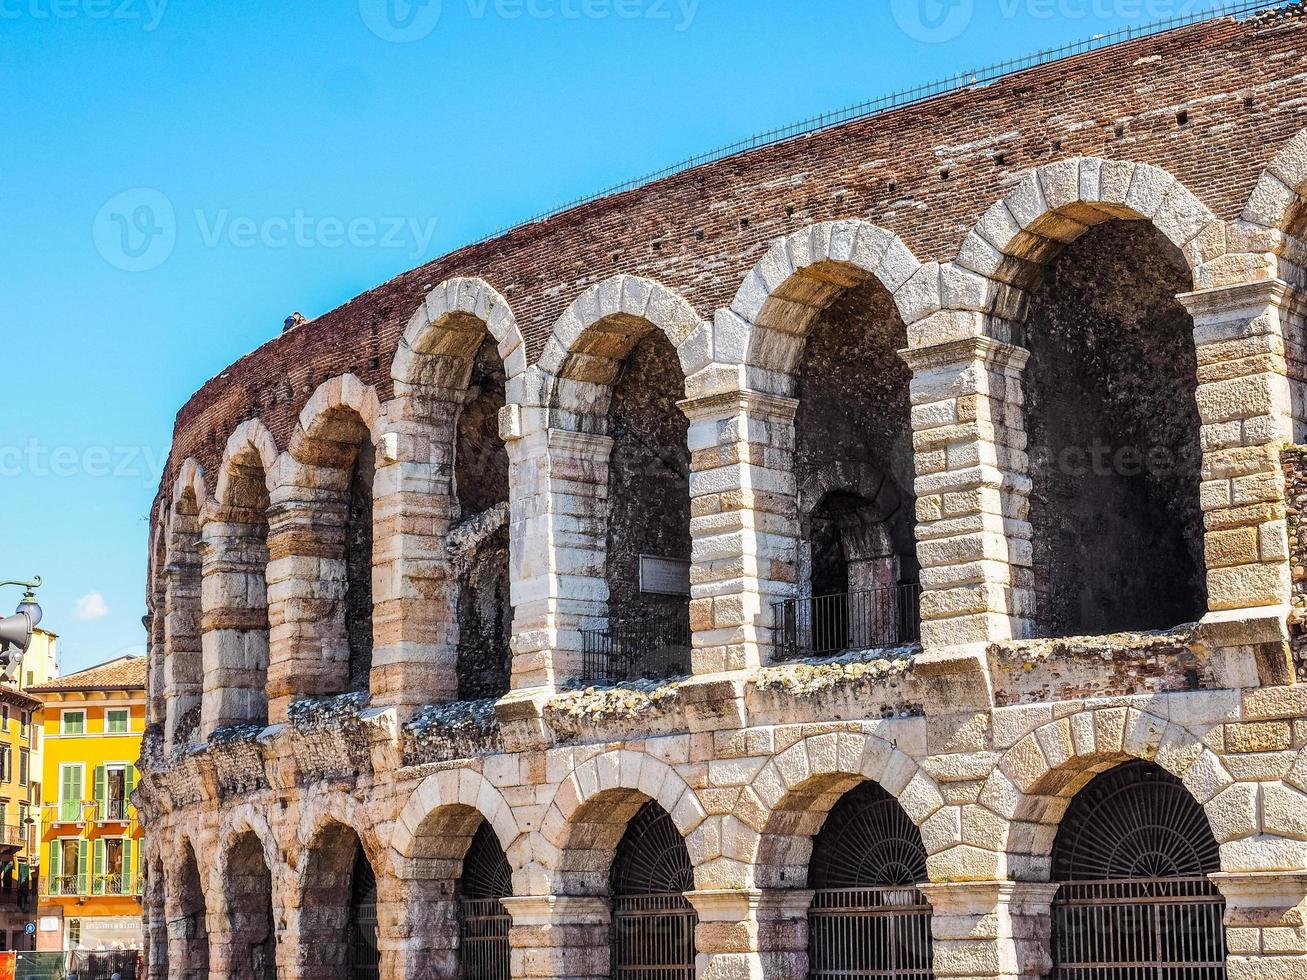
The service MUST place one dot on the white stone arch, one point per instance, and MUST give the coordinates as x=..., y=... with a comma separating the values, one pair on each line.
x=246, y=818
x=333, y=809
x=443, y=335
x=584, y=822
x=585, y=351
x=799, y=277
x=1281, y=188
x=453, y=788
x=787, y=802
x=190, y=477
x=330, y=419
x=1035, y=780
x=250, y=440
x=1005, y=252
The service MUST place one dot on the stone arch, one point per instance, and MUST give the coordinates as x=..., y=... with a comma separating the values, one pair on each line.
x=183, y=669
x=584, y=353
x=235, y=595
x=459, y=368
x=1035, y=779
x=1052, y=206
x=1280, y=194
x=247, y=819
x=188, y=901
x=338, y=810
x=156, y=696
x=247, y=901
x=443, y=334
x=586, y=818
x=429, y=846
x=799, y=277
x=322, y=520
x=786, y=803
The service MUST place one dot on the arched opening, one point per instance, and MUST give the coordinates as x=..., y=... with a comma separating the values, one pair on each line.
x=154, y=921
x=358, y=564
x=478, y=543
x=338, y=911
x=1112, y=418
x=183, y=667
x=483, y=921
x=868, y=918
x=252, y=926
x=653, y=921
x=853, y=463
x=1131, y=859
x=236, y=626
x=192, y=930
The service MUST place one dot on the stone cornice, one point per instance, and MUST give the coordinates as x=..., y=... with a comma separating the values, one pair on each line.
x=740, y=400
x=986, y=350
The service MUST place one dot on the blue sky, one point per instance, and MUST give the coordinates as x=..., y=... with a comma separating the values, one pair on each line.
x=307, y=150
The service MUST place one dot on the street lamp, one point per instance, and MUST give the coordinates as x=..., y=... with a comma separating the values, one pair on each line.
x=16, y=630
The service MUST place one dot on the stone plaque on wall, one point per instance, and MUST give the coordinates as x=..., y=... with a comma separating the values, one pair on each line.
x=664, y=576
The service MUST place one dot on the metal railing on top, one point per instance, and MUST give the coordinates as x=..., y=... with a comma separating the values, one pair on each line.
x=906, y=97
x=13, y=834
x=651, y=647
x=830, y=624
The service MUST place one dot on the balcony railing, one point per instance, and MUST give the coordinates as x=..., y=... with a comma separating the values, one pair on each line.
x=13, y=835
x=65, y=885
x=651, y=647
x=71, y=811
x=115, y=810
x=833, y=624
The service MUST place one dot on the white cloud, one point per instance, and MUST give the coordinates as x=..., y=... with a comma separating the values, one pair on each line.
x=91, y=606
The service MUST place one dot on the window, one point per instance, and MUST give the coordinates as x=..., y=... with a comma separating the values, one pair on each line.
x=117, y=721
x=24, y=764
x=4, y=715
x=70, y=791
x=114, y=782
x=25, y=721
x=113, y=863
x=69, y=860
x=6, y=763
x=73, y=723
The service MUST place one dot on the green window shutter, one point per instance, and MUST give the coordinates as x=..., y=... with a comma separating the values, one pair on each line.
x=82, y=855
x=56, y=853
x=101, y=795
x=129, y=784
x=129, y=870
x=97, y=877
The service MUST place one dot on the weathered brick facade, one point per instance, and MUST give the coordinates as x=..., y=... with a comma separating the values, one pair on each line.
x=962, y=300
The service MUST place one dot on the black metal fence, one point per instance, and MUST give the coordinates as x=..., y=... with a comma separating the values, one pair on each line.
x=653, y=937
x=649, y=647
x=831, y=624
x=483, y=952
x=1141, y=929
x=869, y=932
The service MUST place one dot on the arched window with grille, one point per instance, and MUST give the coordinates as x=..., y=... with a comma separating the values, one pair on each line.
x=653, y=921
x=1131, y=860
x=868, y=918
x=483, y=921
x=364, y=957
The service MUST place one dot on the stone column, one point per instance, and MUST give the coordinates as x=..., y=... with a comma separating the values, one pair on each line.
x=743, y=522
x=188, y=940
x=559, y=552
x=751, y=932
x=991, y=929
x=182, y=664
x=1248, y=337
x=234, y=625
x=559, y=936
x=308, y=650
x=1265, y=931
x=972, y=488
x=414, y=591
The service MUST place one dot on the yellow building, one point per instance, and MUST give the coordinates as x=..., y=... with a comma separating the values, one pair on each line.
x=91, y=840
x=20, y=796
x=40, y=660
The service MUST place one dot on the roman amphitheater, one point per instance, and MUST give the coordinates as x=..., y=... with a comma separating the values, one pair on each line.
x=873, y=554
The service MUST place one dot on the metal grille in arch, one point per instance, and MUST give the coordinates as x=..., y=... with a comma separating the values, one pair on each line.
x=868, y=918
x=363, y=953
x=653, y=922
x=1134, y=901
x=483, y=921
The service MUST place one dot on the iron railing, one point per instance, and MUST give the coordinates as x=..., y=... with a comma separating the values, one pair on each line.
x=115, y=810
x=869, y=932
x=1139, y=929
x=364, y=955
x=831, y=624
x=113, y=884
x=653, y=937
x=65, y=885
x=651, y=647
x=483, y=939
x=13, y=835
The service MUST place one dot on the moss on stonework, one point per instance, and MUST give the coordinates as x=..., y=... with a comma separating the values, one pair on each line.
x=805, y=678
x=315, y=714
x=571, y=711
x=443, y=732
